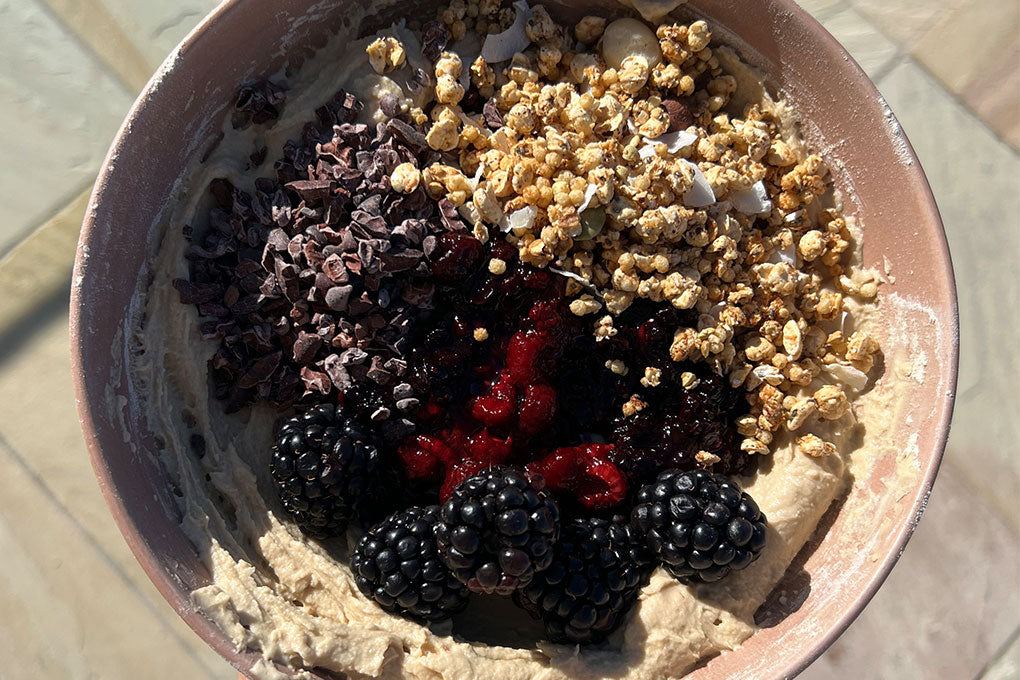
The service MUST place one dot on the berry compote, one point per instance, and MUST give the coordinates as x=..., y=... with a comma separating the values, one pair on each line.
x=506, y=374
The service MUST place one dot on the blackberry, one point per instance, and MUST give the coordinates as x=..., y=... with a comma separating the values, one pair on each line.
x=497, y=530
x=699, y=524
x=671, y=431
x=396, y=563
x=631, y=543
x=592, y=582
x=325, y=466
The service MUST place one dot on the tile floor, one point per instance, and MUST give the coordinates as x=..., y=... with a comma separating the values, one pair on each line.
x=950, y=610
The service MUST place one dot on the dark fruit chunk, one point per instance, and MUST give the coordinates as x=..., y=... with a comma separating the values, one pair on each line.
x=456, y=258
x=325, y=466
x=497, y=530
x=397, y=564
x=676, y=426
x=699, y=524
x=591, y=584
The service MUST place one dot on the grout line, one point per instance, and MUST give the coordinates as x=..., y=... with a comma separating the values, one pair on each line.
x=959, y=101
x=23, y=329
x=107, y=558
x=904, y=55
x=828, y=13
x=54, y=211
x=898, y=57
x=923, y=28
x=999, y=654
x=894, y=60
x=79, y=40
x=92, y=20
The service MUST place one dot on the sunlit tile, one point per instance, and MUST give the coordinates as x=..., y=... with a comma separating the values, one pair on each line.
x=948, y=605
x=93, y=24
x=40, y=265
x=61, y=109
x=79, y=612
x=156, y=27
x=822, y=8
x=904, y=20
x=974, y=178
x=871, y=49
x=995, y=96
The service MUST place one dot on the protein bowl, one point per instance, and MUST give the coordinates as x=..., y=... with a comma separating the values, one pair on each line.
x=275, y=596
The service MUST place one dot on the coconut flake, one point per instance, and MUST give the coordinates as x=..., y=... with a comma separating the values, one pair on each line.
x=674, y=141
x=753, y=201
x=520, y=219
x=793, y=217
x=846, y=323
x=470, y=213
x=767, y=373
x=503, y=46
x=786, y=255
x=853, y=378
x=700, y=195
x=571, y=275
x=589, y=194
x=473, y=182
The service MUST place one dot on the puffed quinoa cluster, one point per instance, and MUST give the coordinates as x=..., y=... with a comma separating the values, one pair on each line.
x=613, y=152
x=386, y=54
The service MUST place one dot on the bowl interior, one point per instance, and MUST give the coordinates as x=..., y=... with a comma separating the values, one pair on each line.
x=178, y=116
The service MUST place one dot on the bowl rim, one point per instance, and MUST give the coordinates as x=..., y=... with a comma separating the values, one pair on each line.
x=243, y=660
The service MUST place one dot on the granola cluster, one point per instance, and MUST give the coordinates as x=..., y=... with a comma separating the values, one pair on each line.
x=611, y=153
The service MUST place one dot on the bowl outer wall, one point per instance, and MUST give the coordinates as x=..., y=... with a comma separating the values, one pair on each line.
x=180, y=110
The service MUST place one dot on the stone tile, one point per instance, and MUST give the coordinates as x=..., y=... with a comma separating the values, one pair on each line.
x=83, y=606
x=972, y=39
x=92, y=22
x=975, y=52
x=821, y=8
x=61, y=109
x=1007, y=665
x=903, y=20
x=871, y=49
x=995, y=97
x=39, y=420
x=88, y=606
x=76, y=615
x=155, y=27
x=974, y=178
x=40, y=266
x=949, y=604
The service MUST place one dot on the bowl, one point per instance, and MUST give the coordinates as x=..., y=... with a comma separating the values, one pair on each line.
x=176, y=119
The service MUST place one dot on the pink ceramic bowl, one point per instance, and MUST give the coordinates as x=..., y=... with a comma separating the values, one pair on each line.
x=179, y=113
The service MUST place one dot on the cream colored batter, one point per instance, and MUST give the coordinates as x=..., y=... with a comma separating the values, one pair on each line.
x=291, y=599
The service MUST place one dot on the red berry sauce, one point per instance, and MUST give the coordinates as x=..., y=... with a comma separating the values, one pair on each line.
x=537, y=393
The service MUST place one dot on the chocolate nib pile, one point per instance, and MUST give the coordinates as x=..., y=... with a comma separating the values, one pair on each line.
x=313, y=282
